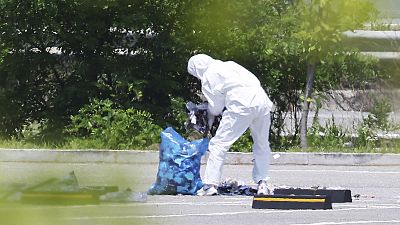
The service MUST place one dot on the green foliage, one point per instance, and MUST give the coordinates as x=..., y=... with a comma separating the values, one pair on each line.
x=56, y=55
x=72, y=51
x=348, y=70
x=243, y=144
x=376, y=121
x=368, y=136
x=320, y=27
x=380, y=113
x=327, y=137
x=114, y=128
x=178, y=114
x=322, y=22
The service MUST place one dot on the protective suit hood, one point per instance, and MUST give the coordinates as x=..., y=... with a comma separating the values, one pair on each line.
x=198, y=64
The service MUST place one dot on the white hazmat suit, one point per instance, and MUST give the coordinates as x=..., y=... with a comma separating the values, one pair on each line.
x=229, y=85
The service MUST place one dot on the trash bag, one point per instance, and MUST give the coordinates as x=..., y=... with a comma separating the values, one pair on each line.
x=179, y=166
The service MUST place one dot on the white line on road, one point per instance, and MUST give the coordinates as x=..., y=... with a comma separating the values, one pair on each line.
x=196, y=203
x=134, y=204
x=341, y=171
x=167, y=216
x=353, y=222
x=221, y=214
x=185, y=203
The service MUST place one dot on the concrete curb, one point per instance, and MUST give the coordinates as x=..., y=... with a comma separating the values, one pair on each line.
x=151, y=157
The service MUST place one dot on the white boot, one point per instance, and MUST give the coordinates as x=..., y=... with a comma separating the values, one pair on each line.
x=263, y=188
x=208, y=190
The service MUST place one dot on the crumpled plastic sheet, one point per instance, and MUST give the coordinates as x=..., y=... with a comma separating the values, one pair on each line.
x=197, y=124
x=197, y=117
x=179, y=165
x=68, y=183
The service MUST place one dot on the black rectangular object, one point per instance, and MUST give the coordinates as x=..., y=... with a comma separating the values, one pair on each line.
x=336, y=195
x=291, y=202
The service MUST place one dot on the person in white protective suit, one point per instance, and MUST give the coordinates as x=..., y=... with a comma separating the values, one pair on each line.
x=228, y=85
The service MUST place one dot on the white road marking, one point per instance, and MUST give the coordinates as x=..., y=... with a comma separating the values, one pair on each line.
x=169, y=215
x=353, y=222
x=225, y=214
x=341, y=171
x=238, y=197
x=197, y=203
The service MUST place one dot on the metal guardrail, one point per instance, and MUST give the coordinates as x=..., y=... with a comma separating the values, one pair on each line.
x=384, y=45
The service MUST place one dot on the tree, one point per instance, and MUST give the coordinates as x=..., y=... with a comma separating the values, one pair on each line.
x=258, y=35
x=320, y=28
x=72, y=51
x=135, y=54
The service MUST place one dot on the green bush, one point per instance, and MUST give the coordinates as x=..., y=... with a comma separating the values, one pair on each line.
x=331, y=136
x=243, y=144
x=327, y=137
x=376, y=121
x=178, y=115
x=102, y=125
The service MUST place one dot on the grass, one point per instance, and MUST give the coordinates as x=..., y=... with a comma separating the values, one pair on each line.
x=13, y=143
x=65, y=144
x=395, y=150
x=392, y=146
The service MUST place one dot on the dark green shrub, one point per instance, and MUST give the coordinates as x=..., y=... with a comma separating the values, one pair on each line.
x=178, y=115
x=114, y=128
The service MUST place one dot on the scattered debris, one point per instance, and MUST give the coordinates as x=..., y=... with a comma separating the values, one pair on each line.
x=197, y=118
x=198, y=125
x=358, y=196
x=276, y=156
x=232, y=187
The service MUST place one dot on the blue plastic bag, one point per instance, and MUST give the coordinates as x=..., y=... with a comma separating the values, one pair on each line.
x=179, y=166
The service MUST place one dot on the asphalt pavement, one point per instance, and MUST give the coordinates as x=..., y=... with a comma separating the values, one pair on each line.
x=375, y=190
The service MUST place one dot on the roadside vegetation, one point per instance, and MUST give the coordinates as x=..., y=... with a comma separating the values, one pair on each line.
x=112, y=74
